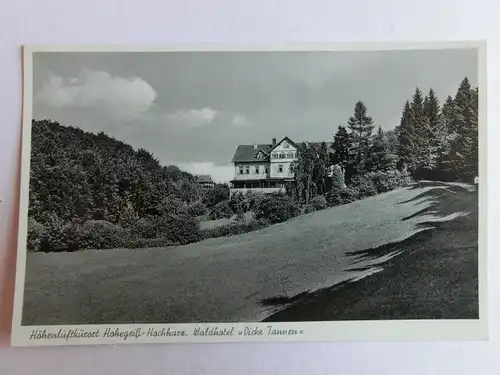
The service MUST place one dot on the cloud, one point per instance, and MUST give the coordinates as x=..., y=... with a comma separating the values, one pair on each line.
x=239, y=120
x=124, y=98
x=194, y=117
x=219, y=173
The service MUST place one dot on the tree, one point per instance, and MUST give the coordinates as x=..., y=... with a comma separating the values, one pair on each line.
x=392, y=141
x=380, y=157
x=428, y=136
x=303, y=187
x=464, y=127
x=218, y=193
x=341, y=146
x=448, y=113
x=361, y=126
x=416, y=149
x=432, y=109
x=81, y=177
x=321, y=165
x=404, y=132
x=443, y=138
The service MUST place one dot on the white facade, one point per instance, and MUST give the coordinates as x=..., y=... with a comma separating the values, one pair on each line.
x=282, y=156
x=264, y=171
x=251, y=171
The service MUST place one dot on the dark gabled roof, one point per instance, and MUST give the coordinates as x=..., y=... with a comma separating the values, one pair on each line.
x=204, y=178
x=247, y=153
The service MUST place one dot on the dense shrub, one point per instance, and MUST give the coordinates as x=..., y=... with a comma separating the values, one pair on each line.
x=36, y=232
x=308, y=209
x=276, y=208
x=221, y=210
x=315, y=204
x=196, y=209
x=236, y=201
x=218, y=193
x=390, y=180
x=98, y=234
x=338, y=180
x=233, y=229
x=252, y=200
x=336, y=197
x=145, y=228
x=318, y=202
x=56, y=235
x=178, y=228
x=127, y=217
x=172, y=205
x=363, y=186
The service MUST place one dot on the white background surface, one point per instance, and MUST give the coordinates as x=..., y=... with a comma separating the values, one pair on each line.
x=230, y=21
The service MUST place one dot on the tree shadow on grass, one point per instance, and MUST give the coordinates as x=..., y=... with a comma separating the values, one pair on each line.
x=445, y=202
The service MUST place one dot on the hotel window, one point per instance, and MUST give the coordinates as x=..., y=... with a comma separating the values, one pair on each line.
x=280, y=168
x=289, y=155
x=241, y=170
x=247, y=170
x=282, y=155
x=256, y=170
x=266, y=170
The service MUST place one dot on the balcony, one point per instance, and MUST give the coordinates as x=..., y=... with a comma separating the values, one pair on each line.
x=264, y=190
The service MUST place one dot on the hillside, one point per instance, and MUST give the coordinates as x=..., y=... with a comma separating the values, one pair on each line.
x=80, y=175
x=280, y=269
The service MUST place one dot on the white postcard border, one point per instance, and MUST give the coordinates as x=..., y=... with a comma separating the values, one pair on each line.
x=387, y=330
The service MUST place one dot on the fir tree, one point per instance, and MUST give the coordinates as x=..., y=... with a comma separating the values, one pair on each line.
x=430, y=136
x=341, y=146
x=462, y=104
x=361, y=126
x=380, y=157
x=443, y=138
x=432, y=109
x=420, y=136
x=447, y=112
x=464, y=126
x=403, y=132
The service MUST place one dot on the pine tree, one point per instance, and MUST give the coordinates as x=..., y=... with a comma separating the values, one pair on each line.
x=412, y=132
x=429, y=136
x=443, y=138
x=380, y=157
x=432, y=109
x=403, y=132
x=464, y=126
x=341, y=146
x=420, y=136
x=361, y=126
x=320, y=172
x=447, y=113
x=462, y=104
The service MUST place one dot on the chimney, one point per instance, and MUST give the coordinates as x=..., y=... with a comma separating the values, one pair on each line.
x=255, y=146
x=274, y=142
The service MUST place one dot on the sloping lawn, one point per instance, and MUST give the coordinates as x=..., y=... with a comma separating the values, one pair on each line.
x=435, y=277
x=244, y=277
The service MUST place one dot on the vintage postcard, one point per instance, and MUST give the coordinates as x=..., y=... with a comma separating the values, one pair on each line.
x=241, y=193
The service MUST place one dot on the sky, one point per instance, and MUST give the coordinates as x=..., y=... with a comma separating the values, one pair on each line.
x=192, y=109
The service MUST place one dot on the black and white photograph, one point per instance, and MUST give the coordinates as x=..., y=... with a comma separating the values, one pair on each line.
x=236, y=191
